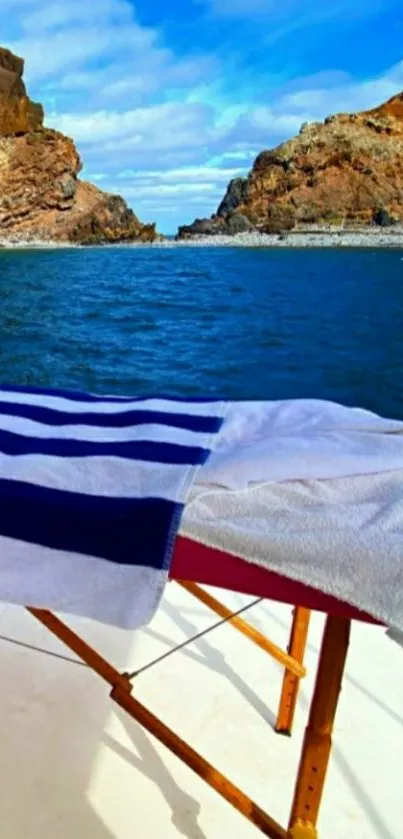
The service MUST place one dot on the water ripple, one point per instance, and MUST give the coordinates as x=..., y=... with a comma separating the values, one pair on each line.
x=238, y=322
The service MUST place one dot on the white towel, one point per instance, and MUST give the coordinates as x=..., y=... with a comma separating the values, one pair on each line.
x=300, y=439
x=342, y=536
x=312, y=490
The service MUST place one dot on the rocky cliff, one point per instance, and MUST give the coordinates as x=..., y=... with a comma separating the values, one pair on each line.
x=41, y=197
x=346, y=171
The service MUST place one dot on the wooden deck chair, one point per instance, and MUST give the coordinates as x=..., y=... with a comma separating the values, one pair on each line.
x=311, y=775
x=292, y=658
x=316, y=747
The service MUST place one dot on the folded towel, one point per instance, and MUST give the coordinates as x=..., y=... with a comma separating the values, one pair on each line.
x=301, y=439
x=91, y=494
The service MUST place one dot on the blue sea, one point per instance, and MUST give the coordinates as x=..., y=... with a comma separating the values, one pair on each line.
x=237, y=322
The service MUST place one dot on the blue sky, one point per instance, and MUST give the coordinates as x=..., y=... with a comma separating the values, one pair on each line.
x=169, y=100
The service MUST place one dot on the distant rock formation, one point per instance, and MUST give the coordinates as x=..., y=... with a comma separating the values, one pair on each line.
x=347, y=171
x=18, y=115
x=41, y=197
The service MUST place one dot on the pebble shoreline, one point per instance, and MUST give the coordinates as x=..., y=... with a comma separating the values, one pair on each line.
x=302, y=240
x=318, y=239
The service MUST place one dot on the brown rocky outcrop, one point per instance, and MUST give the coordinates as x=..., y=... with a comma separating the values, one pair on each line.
x=346, y=171
x=18, y=114
x=41, y=196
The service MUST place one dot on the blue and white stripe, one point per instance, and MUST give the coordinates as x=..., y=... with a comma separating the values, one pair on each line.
x=91, y=494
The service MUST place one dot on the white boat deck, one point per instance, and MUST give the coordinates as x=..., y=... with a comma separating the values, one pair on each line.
x=73, y=765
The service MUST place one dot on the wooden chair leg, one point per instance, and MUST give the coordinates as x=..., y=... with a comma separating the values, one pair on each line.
x=252, y=812
x=80, y=647
x=295, y=666
x=318, y=736
x=296, y=649
x=317, y=741
x=121, y=694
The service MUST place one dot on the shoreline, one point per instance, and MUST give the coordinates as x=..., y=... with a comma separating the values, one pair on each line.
x=293, y=239
x=304, y=239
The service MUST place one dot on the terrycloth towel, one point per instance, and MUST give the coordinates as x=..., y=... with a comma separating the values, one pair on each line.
x=300, y=439
x=91, y=494
x=395, y=636
x=342, y=536
x=313, y=490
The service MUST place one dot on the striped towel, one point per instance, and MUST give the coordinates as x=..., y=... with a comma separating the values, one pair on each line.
x=91, y=495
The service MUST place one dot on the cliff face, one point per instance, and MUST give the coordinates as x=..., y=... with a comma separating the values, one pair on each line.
x=18, y=114
x=347, y=170
x=41, y=196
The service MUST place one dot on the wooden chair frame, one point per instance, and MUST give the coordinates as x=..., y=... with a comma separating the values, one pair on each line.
x=317, y=741
x=292, y=659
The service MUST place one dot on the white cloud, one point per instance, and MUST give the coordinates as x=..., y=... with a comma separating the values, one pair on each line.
x=153, y=129
x=48, y=17
x=196, y=189
x=197, y=174
x=98, y=45
x=348, y=96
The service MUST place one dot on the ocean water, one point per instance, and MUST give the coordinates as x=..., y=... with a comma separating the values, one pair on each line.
x=237, y=322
